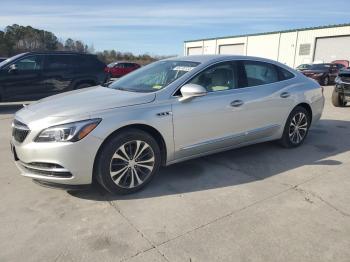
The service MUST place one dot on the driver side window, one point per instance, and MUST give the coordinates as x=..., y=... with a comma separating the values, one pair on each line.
x=219, y=77
x=28, y=63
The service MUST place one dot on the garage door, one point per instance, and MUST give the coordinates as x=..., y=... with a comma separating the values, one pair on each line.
x=194, y=50
x=332, y=48
x=236, y=49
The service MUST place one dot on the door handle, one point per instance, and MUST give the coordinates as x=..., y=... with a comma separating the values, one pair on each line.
x=236, y=103
x=284, y=95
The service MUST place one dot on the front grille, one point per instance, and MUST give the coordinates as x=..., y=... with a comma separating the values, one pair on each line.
x=19, y=131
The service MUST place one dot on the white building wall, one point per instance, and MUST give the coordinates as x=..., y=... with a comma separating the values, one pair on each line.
x=286, y=52
x=209, y=47
x=283, y=47
x=232, y=41
x=263, y=46
x=310, y=36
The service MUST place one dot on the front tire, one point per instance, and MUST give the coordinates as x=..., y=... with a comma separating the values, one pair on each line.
x=296, y=128
x=338, y=99
x=128, y=162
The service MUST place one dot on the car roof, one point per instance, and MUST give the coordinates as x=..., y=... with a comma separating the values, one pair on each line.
x=57, y=53
x=217, y=58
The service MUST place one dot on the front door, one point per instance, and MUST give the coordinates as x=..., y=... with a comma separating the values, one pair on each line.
x=209, y=122
x=22, y=80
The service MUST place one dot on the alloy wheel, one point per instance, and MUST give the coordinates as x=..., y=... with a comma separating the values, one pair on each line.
x=132, y=164
x=298, y=128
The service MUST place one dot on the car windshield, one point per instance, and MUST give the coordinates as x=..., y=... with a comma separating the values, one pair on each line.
x=111, y=64
x=153, y=77
x=9, y=60
x=320, y=66
x=303, y=66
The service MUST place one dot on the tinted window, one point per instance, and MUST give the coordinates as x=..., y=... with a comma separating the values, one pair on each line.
x=89, y=61
x=320, y=66
x=217, y=78
x=29, y=63
x=59, y=61
x=284, y=74
x=260, y=73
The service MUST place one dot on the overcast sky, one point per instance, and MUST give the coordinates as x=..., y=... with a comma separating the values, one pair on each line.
x=160, y=27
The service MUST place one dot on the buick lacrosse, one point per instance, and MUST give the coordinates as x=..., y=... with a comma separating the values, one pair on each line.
x=169, y=111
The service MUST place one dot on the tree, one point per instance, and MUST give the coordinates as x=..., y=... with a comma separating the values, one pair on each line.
x=69, y=45
x=18, y=39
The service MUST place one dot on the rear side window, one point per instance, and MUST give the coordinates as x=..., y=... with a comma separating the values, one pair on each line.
x=60, y=61
x=260, y=73
x=90, y=61
x=29, y=63
x=284, y=74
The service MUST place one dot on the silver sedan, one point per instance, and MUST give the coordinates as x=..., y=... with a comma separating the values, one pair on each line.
x=169, y=111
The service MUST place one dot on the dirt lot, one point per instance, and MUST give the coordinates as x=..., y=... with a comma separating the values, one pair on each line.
x=259, y=203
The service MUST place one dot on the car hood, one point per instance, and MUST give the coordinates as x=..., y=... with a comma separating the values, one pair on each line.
x=83, y=102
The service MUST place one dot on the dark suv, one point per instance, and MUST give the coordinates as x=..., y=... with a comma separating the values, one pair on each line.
x=35, y=75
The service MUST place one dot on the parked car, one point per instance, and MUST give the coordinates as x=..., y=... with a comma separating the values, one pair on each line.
x=119, y=69
x=341, y=92
x=303, y=67
x=2, y=59
x=36, y=75
x=324, y=74
x=344, y=63
x=166, y=112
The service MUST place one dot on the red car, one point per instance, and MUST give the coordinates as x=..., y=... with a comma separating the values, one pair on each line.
x=119, y=69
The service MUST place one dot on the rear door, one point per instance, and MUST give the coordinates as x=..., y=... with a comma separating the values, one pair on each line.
x=266, y=99
x=59, y=72
x=22, y=79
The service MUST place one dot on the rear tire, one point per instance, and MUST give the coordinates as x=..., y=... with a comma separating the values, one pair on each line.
x=296, y=128
x=338, y=99
x=127, y=162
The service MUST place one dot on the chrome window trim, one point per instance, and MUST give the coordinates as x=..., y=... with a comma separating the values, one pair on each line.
x=230, y=60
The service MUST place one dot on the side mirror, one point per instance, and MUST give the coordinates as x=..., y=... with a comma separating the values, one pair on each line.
x=12, y=68
x=189, y=91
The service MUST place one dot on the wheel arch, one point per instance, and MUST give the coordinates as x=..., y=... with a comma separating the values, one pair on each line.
x=307, y=107
x=144, y=127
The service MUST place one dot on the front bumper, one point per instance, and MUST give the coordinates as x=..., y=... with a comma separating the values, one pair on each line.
x=69, y=163
x=344, y=89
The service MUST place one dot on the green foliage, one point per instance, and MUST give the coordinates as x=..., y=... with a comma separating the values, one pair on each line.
x=17, y=39
x=110, y=56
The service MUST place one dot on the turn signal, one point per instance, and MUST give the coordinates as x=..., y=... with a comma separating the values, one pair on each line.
x=86, y=130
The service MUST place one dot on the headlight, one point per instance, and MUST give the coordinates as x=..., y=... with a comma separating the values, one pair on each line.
x=71, y=132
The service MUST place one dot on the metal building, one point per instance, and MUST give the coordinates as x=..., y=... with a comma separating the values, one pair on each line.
x=291, y=47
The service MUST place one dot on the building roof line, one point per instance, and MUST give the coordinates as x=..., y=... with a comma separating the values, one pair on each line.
x=272, y=32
